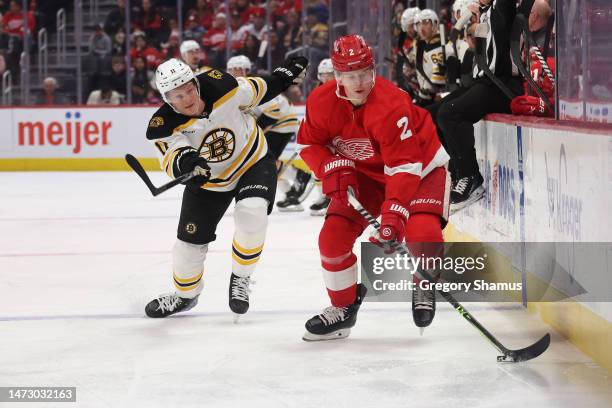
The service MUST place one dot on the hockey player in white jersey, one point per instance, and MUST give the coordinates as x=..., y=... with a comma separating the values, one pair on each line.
x=193, y=55
x=204, y=129
x=428, y=58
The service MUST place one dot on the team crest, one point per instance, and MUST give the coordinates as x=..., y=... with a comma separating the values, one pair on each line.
x=215, y=74
x=191, y=228
x=356, y=149
x=156, y=121
x=218, y=145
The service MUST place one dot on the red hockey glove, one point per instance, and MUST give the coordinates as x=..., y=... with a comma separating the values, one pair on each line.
x=392, y=225
x=530, y=106
x=337, y=175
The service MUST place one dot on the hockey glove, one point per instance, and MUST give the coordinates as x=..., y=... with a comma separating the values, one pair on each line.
x=337, y=175
x=392, y=225
x=293, y=71
x=192, y=162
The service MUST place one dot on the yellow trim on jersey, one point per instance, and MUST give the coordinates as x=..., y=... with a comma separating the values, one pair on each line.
x=254, y=159
x=184, y=125
x=262, y=89
x=224, y=98
x=168, y=161
x=244, y=262
x=285, y=125
x=245, y=251
x=189, y=280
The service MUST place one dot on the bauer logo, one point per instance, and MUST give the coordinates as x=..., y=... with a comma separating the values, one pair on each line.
x=72, y=132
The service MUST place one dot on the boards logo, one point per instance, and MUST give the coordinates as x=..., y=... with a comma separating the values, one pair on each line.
x=73, y=132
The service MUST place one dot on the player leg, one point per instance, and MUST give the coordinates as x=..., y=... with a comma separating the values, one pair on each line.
x=276, y=145
x=201, y=211
x=303, y=184
x=254, y=201
x=319, y=207
x=428, y=214
x=342, y=226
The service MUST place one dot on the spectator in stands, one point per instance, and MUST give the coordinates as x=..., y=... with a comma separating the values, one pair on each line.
x=193, y=30
x=118, y=79
x=290, y=33
x=105, y=95
x=238, y=32
x=118, y=45
x=204, y=13
x=116, y=18
x=3, y=66
x=142, y=49
x=171, y=49
x=12, y=20
x=11, y=47
x=100, y=44
x=148, y=19
x=251, y=50
x=142, y=79
x=214, y=42
x=258, y=26
x=319, y=9
x=243, y=7
x=277, y=49
x=49, y=96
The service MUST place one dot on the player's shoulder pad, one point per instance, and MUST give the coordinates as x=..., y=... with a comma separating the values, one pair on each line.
x=163, y=122
x=214, y=86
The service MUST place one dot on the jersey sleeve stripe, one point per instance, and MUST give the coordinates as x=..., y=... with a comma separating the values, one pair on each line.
x=184, y=125
x=224, y=98
x=439, y=159
x=411, y=168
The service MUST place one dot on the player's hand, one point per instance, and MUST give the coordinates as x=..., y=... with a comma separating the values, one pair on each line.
x=192, y=162
x=337, y=175
x=292, y=71
x=392, y=225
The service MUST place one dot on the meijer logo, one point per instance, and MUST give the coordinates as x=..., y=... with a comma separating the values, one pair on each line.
x=74, y=133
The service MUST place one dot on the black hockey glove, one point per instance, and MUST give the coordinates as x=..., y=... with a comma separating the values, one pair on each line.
x=293, y=71
x=191, y=161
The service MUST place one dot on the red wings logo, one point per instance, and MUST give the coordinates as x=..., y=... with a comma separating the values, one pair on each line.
x=356, y=149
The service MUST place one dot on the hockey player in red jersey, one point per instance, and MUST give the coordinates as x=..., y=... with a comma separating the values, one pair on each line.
x=363, y=132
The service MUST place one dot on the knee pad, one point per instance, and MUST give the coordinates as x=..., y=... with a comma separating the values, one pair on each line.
x=188, y=259
x=251, y=214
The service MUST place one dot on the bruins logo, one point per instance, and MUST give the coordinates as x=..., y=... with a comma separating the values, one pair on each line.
x=215, y=74
x=156, y=121
x=191, y=228
x=218, y=145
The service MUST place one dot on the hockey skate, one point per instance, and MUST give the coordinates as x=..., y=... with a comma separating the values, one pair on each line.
x=335, y=322
x=239, y=295
x=319, y=207
x=423, y=307
x=467, y=191
x=303, y=185
x=169, y=304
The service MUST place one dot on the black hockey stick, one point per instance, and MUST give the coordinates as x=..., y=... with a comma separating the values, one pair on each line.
x=519, y=26
x=137, y=167
x=513, y=356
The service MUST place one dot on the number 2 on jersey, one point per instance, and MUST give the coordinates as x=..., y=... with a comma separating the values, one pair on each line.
x=406, y=133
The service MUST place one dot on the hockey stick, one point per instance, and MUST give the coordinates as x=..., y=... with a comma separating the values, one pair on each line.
x=289, y=161
x=138, y=169
x=518, y=27
x=512, y=356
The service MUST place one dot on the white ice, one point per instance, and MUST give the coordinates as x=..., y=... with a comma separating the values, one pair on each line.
x=82, y=253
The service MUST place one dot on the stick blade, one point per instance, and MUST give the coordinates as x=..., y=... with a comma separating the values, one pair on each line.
x=527, y=353
x=138, y=169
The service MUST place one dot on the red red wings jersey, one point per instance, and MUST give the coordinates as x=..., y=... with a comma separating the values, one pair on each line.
x=391, y=140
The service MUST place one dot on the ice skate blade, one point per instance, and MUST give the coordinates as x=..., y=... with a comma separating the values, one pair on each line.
x=237, y=318
x=336, y=335
x=291, y=209
x=421, y=331
x=318, y=213
x=476, y=195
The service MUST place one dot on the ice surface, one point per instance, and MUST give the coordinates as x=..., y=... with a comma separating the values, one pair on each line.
x=82, y=253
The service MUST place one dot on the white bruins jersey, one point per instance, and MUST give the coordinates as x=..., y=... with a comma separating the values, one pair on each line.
x=226, y=135
x=281, y=112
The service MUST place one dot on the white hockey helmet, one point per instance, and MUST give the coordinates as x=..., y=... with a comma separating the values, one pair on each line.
x=187, y=46
x=171, y=74
x=407, y=18
x=239, y=62
x=459, y=4
x=325, y=67
x=427, y=14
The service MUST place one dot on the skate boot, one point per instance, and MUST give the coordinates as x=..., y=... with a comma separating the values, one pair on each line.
x=239, y=294
x=466, y=191
x=302, y=186
x=169, y=304
x=335, y=322
x=319, y=207
x=423, y=306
